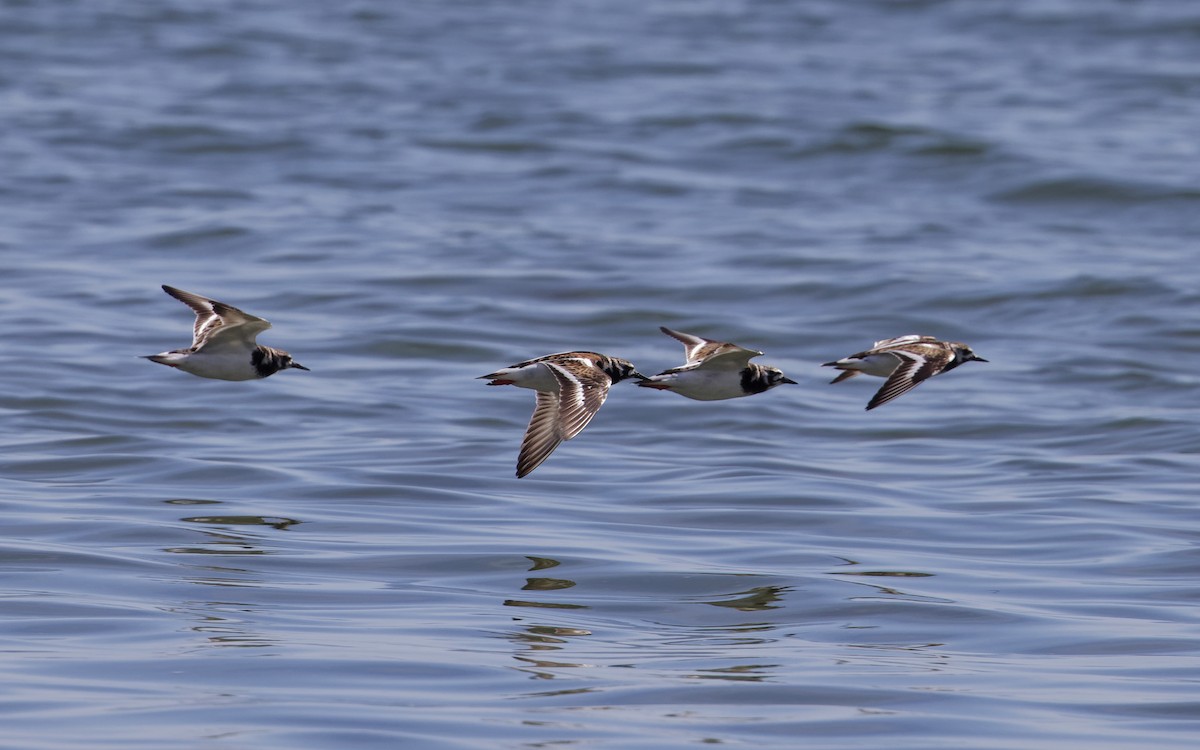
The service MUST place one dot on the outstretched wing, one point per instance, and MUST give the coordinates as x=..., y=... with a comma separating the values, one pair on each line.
x=908, y=338
x=582, y=389
x=914, y=368
x=542, y=435
x=714, y=354
x=561, y=415
x=216, y=322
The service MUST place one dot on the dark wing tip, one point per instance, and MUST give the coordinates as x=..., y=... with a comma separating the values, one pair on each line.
x=178, y=293
x=533, y=457
x=542, y=436
x=893, y=389
x=843, y=375
x=885, y=395
x=198, y=303
x=682, y=338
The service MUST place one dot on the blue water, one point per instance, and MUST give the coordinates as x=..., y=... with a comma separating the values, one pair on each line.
x=418, y=193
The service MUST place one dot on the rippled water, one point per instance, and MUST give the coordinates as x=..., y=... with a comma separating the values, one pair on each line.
x=416, y=194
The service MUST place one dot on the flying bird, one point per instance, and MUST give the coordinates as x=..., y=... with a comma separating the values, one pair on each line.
x=223, y=343
x=715, y=370
x=906, y=362
x=571, y=387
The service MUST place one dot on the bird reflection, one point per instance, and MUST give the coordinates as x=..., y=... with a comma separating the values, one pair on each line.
x=276, y=522
x=755, y=599
x=222, y=534
x=891, y=591
x=542, y=605
x=544, y=651
x=225, y=624
x=542, y=563
x=225, y=537
x=539, y=637
x=544, y=584
x=738, y=673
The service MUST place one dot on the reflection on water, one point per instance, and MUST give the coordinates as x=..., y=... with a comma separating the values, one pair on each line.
x=762, y=597
x=739, y=673
x=548, y=636
x=541, y=668
x=676, y=637
x=225, y=623
x=542, y=563
x=546, y=584
x=891, y=591
x=542, y=605
x=694, y=641
x=281, y=524
x=537, y=637
x=885, y=573
x=544, y=638
x=221, y=536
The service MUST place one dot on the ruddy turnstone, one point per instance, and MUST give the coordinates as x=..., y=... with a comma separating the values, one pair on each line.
x=715, y=370
x=571, y=386
x=906, y=361
x=223, y=343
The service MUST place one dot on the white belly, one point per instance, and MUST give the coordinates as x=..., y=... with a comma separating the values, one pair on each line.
x=536, y=376
x=226, y=366
x=704, y=385
x=879, y=365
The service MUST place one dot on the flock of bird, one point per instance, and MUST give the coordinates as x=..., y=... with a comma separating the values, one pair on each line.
x=571, y=386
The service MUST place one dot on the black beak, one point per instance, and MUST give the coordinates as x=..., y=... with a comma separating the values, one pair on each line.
x=980, y=359
x=299, y=366
x=788, y=380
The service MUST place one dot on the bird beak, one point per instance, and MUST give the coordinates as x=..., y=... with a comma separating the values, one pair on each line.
x=299, y=366
x=788, y=380
x=980, y=359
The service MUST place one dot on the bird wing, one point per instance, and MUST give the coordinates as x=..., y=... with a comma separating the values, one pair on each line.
x=218, y=323
x=908, y=338
x=914, y=368
x=561, y=415
x=718, y=354
x=542, y=435
x=582, y=389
